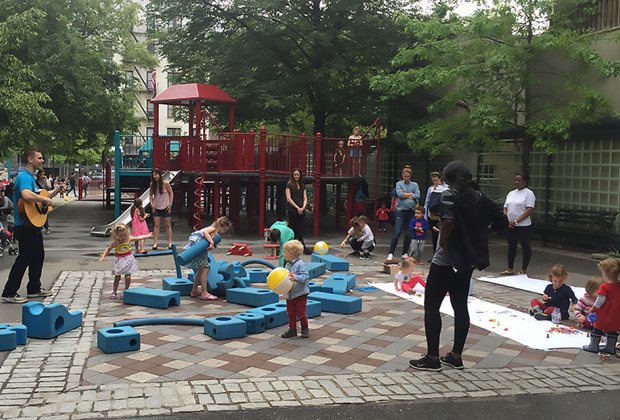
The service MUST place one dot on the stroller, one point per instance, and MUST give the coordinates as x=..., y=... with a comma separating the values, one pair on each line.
x=6, y=241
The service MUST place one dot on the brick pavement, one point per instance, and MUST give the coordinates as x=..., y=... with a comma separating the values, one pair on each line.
x=348, y=360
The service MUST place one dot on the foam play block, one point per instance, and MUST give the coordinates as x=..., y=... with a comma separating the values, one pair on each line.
x=198, y=249
x=313, y=308
x=250, y=296
x=339, y=283
x=257, y=275
x=338, y=304
x=178, y=284
x=314, y=287
x=153, y=298
x=332, y=262
x=8, y=339
x=49, y=321
x=118, y=339
x=225, y=327
x=315, y=269
x=255, y=322
x=21, y=332
x=153, y=253
x=275, y=316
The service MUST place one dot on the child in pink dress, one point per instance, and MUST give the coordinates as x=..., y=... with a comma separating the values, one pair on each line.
x=138, y=224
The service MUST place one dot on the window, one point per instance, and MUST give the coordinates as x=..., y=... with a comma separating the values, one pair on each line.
x=150, y=109
x=172, y=111
x=129, y=77
x=149, y=81
x=172, y=78
x=149, y=133
x=173, y=131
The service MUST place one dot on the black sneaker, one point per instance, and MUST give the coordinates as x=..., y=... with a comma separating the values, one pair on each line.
x=289, y=333
x=541, y=316
x=452, y=361
x=305, y=333
x=535, y=310
x=426, y=363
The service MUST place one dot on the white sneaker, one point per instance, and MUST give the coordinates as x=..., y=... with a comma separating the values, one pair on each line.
x=390, y=257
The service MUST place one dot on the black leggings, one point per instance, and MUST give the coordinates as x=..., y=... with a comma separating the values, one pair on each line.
x=296, y=223
x=440, y=281
x=519, y=234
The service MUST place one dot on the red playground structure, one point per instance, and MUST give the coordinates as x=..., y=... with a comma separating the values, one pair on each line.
x=225, y=167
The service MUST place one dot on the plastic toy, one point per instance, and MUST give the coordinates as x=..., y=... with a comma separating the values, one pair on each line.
x=279, y=281
x=242, y=250
x=321, y=248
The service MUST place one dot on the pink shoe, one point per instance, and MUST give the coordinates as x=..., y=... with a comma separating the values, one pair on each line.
x=207, y=296
x=194, y=293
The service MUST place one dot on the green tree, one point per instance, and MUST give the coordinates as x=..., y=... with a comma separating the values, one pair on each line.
x=282, y=59
x=76, y=54
x=515, y=68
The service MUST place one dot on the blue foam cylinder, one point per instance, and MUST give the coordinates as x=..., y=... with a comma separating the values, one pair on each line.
x=200, y=248
x=255, y=322
x=225, y=327
x=118, y=339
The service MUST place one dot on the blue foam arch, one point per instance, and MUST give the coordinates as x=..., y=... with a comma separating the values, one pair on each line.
x=258, y=261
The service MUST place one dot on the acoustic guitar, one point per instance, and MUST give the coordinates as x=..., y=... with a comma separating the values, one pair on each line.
x=35, y=214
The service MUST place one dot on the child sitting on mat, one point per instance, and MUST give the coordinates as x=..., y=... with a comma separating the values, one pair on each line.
x=556, y=295
x=406, y=279
x=584, y=306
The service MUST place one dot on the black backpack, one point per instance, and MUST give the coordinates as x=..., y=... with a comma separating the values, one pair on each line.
x=434, y=205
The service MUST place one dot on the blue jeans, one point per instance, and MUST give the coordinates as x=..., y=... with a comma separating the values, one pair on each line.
x=401, y=222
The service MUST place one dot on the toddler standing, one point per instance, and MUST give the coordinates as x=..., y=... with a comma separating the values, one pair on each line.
x=406, y=279
x=383, y=216
x=138, y=224
x=606, y=307
x=339, y=157
x=124, y=261
x=200, y=264
x=418, y=228
x=556, y=295
x=297, y=297
x=584, y=306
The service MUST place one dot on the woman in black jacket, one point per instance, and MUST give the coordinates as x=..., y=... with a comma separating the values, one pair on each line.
x=463, y=245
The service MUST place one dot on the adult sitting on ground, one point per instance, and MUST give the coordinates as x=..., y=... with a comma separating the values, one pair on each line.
x=408, y=193
x=463, y=245
x=518, y=207
x=161, y=197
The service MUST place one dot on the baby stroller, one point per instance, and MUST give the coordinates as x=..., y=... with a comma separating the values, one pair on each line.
x=6, y=241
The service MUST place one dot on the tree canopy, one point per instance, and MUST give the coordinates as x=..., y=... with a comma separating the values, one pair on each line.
x=487, y=74
x=283, y=59
x=65, y=88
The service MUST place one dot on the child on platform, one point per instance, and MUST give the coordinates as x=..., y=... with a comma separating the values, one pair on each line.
x=406, y=279
x=360, y=237
x=200, y=264
x=383, y=216
x=418, y=228
x=297, y=297
x=124, y=261
x=606, y=308
x=339, y=157
x=556, y=295
x=584, y=306
x=138, y=224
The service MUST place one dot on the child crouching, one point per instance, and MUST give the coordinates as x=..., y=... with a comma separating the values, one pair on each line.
x=297, y=297
x=584, y=306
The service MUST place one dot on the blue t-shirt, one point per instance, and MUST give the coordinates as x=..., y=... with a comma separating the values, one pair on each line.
x=23, y=181
x=421, y=223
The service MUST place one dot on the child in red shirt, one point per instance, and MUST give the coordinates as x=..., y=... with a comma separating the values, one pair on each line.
x=383, y=216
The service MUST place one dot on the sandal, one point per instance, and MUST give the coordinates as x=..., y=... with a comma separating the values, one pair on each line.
x=208, y=296
x=154, y=247
x=113, y=295
x=194, y=293
x=507, y=273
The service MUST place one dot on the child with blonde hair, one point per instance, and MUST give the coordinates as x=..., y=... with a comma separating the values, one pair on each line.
x=297, y=297
x=584, y=306
x=200, y=264
x=124, y=261
x=606, y=308
x=406, y=279
x=556, y=295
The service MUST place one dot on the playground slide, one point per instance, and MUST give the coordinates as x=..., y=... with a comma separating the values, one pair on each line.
x=125, y=217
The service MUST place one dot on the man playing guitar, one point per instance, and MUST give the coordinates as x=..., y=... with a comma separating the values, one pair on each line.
x=31, y=251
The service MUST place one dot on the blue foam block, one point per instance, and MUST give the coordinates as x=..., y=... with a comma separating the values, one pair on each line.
x=338, y=304
x=198, y=249
x=118, y=339
x=314, y=287
x=49, y=321
x=8, y=339
x=339, y=283
x=153, y=298
x=255, y=322
x=213, y=277
x=153, y=253
x=233, y=270
x=257, y=275
x=275, y=316
x=21, y=332
x=182, y=285
x=313, y=308
x=225, y=327
x=332, y=262
x=250, y=296
x=315, y=269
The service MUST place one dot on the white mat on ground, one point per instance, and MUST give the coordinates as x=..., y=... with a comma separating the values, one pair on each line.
x=523, y=282
x=506, y=322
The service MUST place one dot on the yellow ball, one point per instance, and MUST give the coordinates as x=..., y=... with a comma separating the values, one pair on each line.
x=321, y=248
x=279, y=281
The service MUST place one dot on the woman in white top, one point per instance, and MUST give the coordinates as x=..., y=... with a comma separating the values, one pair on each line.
x=518, y=207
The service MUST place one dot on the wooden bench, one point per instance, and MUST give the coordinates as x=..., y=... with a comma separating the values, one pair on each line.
x=586, y=228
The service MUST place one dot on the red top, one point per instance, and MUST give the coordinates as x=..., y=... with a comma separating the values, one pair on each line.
x=608, y=315
x=383, y=213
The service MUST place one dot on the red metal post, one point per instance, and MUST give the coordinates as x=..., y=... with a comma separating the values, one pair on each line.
x=262, y=164
x=158, y=147
x=303, y=151
x=317, y=182
x=190, y=120
x=377, y=156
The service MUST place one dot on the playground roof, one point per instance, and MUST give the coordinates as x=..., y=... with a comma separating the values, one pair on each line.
x=187, y=93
